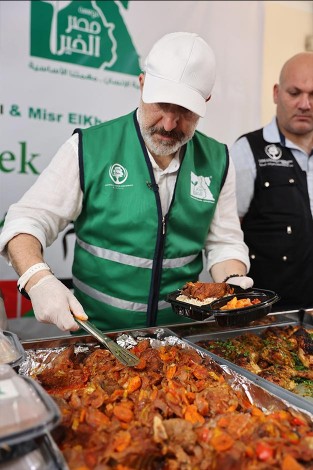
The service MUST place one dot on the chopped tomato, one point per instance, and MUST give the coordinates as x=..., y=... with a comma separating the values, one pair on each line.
x=222, y=441
x=171, y=371
x=123, y=413
x=264, y=451
x=121, y=440
x=204, y=434
x=133, y=384
x=192, y=415
x=298, y=421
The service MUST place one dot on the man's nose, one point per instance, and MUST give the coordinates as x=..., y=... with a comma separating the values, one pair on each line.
x=306, y=101
x=170, y=120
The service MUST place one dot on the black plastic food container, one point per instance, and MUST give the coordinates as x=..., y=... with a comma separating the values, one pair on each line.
x=245, y=315
x=233, y=317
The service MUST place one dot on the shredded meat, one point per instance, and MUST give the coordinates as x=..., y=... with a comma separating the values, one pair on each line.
x=204, y=290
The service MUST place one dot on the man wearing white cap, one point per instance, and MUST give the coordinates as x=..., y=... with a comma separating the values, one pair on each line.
x=147, y=194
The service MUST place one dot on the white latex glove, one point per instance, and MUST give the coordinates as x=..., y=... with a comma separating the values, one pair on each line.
x=53, y=303
x=244, y=282
x=3, y=315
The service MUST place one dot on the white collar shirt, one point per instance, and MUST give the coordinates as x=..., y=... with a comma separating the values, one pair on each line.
x=165, y=179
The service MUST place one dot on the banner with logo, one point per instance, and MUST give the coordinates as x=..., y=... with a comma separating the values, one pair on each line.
x=73, y=64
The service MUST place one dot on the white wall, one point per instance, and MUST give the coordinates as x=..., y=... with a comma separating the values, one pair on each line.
x=286, y=25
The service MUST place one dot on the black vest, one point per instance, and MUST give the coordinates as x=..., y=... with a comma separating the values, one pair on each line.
x=278, y=227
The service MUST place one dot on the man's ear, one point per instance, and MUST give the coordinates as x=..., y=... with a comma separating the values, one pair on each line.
x=275, y=92
x=141, y=79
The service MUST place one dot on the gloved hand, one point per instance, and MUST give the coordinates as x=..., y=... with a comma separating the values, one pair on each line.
x=53, y=303
x=244, y=282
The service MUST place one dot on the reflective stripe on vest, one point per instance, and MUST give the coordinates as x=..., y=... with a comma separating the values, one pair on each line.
x=130, y=260
x=114, y=302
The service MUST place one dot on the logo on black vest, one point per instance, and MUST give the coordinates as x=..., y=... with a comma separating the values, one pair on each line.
x=273, y=152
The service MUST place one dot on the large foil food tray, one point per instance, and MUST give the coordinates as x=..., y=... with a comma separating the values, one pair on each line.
x=39, y=353
x=303, y=402
x=266, y=395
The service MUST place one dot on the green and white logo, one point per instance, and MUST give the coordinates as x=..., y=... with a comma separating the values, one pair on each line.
x=88, y=33
x=200, y=187
x=118, y=173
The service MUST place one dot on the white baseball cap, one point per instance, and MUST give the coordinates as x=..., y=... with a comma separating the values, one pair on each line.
x=180, y=69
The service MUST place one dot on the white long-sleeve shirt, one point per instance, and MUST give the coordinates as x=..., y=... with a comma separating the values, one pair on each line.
x=55, y=200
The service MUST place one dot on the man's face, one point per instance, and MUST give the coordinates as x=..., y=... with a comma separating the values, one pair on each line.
x=166, y=127
x=294, y=99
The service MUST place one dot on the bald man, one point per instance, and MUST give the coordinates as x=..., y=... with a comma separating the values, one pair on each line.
x=274, y=172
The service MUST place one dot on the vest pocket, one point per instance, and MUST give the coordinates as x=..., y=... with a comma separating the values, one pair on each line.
x=280, y=179
x=274, y=245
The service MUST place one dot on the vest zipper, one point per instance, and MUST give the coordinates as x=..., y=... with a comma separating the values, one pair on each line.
x=157, y=268
x=156, y=276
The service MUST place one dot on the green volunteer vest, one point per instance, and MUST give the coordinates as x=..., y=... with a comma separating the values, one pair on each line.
x=127, y=256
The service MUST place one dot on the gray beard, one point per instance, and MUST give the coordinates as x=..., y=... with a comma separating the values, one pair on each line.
x=160, y=149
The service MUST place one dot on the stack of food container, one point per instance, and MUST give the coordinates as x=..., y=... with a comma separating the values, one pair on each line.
x=27, y=415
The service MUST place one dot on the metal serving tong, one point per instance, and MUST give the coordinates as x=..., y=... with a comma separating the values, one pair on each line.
x=124, y=356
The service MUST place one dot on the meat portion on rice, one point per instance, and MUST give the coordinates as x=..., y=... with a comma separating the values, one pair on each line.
x=204, y=290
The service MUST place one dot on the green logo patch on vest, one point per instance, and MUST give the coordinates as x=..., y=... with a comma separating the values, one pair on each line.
x=200, y=187
x=89, y=33
x=118, y=173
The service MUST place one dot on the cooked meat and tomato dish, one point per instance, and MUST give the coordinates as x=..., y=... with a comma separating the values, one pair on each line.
x=175, y=410
x=282, y=355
